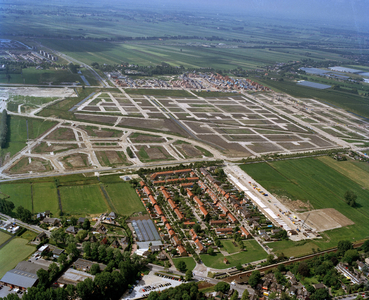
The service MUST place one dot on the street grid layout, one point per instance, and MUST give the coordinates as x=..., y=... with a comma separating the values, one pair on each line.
x=192, y=128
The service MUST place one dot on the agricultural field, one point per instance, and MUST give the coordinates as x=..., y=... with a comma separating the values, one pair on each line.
x=124, y=198
x=19, y=194
x=4, y=237
x=14, y=252
x=45, y=198
x=253, y=252
x=315, y=181
x=83, y=200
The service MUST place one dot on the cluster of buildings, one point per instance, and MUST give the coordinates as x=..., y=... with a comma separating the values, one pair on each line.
x=205, y=201
x=48, y=55
x=9, y=226
x=226, y=83
x=127, y=82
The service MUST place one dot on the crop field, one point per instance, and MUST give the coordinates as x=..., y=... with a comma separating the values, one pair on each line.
x=313, y=180
x=4, y=237
x=19, y=194
x=45, y=197
x=124, y=198
x=190, y=263
x=82, y=200
x=14, y=252
x=253, y=252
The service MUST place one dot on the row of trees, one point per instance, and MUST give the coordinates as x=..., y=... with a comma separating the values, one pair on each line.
x=6, y=206
x=4, y=129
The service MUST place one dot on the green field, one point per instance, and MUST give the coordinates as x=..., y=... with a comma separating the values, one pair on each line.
x=82, y=200
x=33, y=76
x=14, y=252
x=124, y=198
x=290, y=248
x=229, y=247
x=253, y=252
x=20, y=194
x=45, y=197
x=4, y=237
x=190, y=263
x=18, y=133
x=311, y=179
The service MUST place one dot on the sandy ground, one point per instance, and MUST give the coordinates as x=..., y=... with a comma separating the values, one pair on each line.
x=325, y=219
x=38, y=92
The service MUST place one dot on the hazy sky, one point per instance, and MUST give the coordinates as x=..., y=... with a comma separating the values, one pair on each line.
x=354, y=11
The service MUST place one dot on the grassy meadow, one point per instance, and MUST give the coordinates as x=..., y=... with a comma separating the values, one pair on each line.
x=124, y=198
x=14, y=252
x=324, y=184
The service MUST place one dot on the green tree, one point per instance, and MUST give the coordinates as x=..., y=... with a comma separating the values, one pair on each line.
x=53, y=270
x=181, y=266
x=303, y=269
x=365, y=246
x=245, y=295
x=6, y=206
x=351, y=256
x=62, y=259
x=85, y=289
x=254, y=279
x=23, y=214
x=234, y=295
x=197, y=228
x=210, y=251
x=86, y=224
x=95, y=268
x=321, y=294
x=43, y=278
x=81, y=235
x=350, y=198
x=72, y=249
x=343, y=246
x=222, y=287
x=4, y=129
x=188, y=275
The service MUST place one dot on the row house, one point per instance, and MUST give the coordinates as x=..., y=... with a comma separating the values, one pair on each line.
x=179, y=214
x=199, y=246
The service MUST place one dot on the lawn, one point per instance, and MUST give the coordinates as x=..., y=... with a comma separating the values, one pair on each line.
x=82, y=200
x=290, y=248
x=45, y=197
x=312, y=179
x=29, y=235
x=14, y=252
x=190, y=263
x=229, y=247
x=124, y=198
x=20, y=194
x=4, y=237
x=253, y=252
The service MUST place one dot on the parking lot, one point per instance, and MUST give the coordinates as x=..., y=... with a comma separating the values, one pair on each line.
x=150, y=283
x=5, y=291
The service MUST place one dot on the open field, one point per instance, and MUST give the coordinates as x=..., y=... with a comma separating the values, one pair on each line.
x=82, y=200
x=349, y=101
x=230, y=247
x=45, y=198
x=253, y=252
x=18, y=133
x=20, y=194
x=190, y=263
x=4, y=237
x=312, y=180
x=295, y=249
x=124, y=198
x=14, y=252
